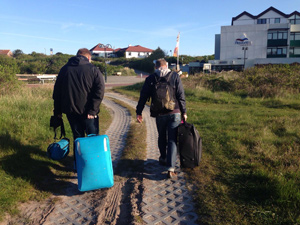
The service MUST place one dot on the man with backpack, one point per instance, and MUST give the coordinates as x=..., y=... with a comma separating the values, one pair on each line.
x=165, y=89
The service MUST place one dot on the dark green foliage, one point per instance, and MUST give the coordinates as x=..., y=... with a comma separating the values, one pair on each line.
x=146, y=64
x=56, y=62
x=8, y=71
x=36, y=63
x=17, y=53
x=186, y=59
x=260, y=81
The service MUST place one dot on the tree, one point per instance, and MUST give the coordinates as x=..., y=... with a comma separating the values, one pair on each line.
x=157, y=54
x=8, y=69
x=17, y=53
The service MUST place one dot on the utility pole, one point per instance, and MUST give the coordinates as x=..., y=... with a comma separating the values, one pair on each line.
x=245, y=49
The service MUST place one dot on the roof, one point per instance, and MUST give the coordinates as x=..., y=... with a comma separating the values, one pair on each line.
x=136, y=48
x=98, y=48
x=5, y=52
x=294, y=13
x=262, y=13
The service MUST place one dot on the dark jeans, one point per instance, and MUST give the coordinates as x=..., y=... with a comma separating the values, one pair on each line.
x=167, y=137
x=81, y=125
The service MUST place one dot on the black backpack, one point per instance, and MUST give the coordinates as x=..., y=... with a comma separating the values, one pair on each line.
x=163, y=97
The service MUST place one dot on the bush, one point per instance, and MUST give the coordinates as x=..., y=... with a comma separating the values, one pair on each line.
x=260, y=81
x=8, y=71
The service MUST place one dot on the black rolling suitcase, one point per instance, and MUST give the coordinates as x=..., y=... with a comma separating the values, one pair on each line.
x=189, y=145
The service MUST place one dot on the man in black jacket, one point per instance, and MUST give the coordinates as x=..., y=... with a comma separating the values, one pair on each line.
x=167, y=120
x=78, y=92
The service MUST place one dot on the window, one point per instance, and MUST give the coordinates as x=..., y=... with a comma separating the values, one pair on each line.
x=276, y=51
x=295, y=51
x=277, y=20
x=284, y=51
x=295, y=19
x=279, y=51
x=277, y=35
x=270, y=36
x=295, y=36
x=261, y=21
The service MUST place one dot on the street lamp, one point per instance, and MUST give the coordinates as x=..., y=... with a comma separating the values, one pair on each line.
x=105, y=46
x=245, y=49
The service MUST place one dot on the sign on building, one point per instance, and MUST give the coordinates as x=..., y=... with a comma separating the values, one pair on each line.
x=243, y=41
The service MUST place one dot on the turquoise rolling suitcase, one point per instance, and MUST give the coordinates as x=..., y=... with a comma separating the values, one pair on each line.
x=93, y=163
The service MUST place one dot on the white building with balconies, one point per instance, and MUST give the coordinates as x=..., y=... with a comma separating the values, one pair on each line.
x=270, y=37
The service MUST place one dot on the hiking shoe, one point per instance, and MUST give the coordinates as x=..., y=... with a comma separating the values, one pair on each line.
x=172, y=175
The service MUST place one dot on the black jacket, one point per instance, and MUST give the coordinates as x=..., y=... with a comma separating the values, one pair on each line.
x=79, y=88
x=148, y=90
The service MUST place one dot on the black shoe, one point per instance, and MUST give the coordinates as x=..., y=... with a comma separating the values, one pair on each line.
x=162, y=161
x=172, y=175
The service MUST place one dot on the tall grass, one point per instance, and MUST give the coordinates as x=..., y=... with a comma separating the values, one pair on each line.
x=261, y=81
x=25, y=171
x=250, y=167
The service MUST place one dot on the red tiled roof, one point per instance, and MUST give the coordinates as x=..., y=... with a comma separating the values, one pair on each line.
x=4, y=52
x=137, y=48
x=97, y=48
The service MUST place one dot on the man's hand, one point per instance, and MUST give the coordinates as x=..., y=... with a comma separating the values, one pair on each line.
x=139, y=118
x=184, y=117
x=91, y=116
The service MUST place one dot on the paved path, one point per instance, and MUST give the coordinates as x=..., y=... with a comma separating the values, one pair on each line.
x=165, y=201
x=76, y=208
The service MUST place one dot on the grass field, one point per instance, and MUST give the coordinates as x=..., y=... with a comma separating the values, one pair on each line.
x=25, y=171
x=249, y=172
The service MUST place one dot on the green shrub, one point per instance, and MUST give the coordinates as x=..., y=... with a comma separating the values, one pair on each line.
x=260, y=81
x=8, y=71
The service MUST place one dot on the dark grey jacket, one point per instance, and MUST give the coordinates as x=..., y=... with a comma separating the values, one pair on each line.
x=148, y=90
x=79, y=88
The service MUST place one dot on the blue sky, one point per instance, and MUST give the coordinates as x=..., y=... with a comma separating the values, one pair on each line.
x=67, y=25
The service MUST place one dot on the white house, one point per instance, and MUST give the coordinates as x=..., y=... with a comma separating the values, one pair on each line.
x=270, y=37
x=102, y=51
x=107, y=51
x=136, y=51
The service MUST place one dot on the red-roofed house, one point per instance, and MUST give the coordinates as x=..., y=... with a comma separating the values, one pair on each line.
x=136, y=51
x=6, y=52
x=101, y=51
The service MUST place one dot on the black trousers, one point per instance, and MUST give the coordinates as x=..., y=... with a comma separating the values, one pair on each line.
x=82, y=126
